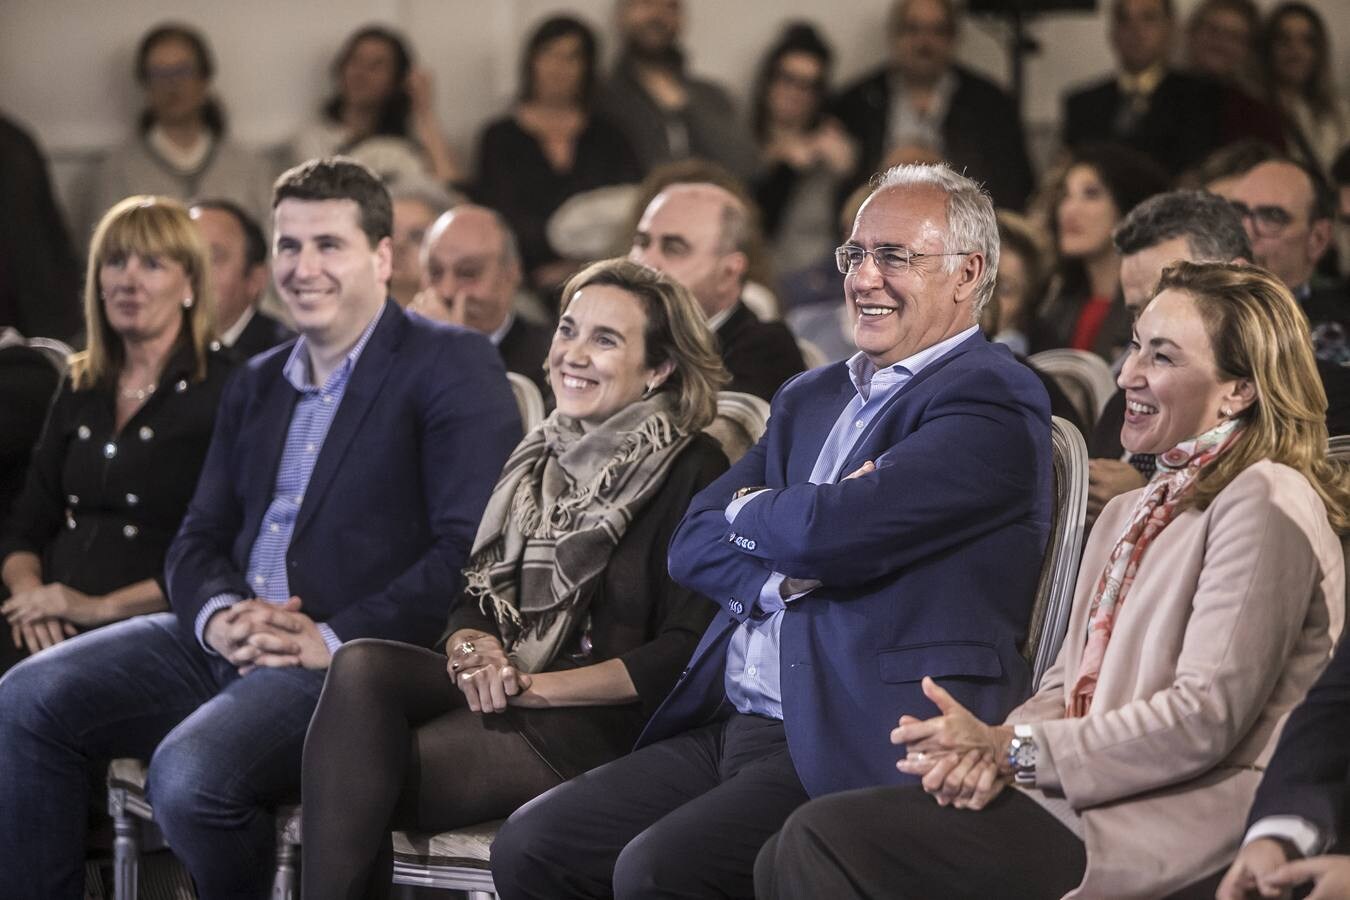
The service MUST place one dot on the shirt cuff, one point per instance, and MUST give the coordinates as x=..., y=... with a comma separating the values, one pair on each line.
x=735, y=506
x=212, y=606
x=1294, y=829
x=330, y=638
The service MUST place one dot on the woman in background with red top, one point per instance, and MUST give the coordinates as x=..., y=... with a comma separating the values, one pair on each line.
x=1085, y=309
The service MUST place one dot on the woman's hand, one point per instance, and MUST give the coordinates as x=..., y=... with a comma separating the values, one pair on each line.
x=51, y=601
x=41, y=635
x=959, y=758
x=476, y=663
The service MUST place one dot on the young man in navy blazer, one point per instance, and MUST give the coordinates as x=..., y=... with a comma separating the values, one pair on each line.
x=338, y=500
x=889, y=525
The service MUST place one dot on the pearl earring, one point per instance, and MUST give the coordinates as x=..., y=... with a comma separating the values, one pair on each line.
x=1225, y=412
x=187, y=303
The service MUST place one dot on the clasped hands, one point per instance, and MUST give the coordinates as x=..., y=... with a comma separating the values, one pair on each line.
x=46, y=615
x=961, y=761
x=480, y=668
x=1263, y=869
x=255, y=634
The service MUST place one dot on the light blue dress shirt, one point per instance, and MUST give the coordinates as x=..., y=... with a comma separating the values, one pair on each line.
x=752, y=669
x=310, y=421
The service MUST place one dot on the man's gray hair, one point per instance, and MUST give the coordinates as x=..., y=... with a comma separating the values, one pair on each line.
x=971, y=226
x=1213, y=229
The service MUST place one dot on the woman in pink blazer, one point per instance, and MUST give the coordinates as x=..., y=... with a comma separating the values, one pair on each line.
x=1207, y=603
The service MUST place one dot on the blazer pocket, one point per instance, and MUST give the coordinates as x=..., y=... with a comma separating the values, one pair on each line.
x=948, y=659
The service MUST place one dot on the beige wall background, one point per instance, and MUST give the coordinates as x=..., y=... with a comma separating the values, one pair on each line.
x=65, y=65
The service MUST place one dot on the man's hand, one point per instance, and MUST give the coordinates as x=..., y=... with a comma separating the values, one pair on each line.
x=40, y=635
x=255, y=633
x=478, y=666
x=1329, y=874
x=1255, y=863
x=51, y=601
x=1109, y=478
x=952, y=752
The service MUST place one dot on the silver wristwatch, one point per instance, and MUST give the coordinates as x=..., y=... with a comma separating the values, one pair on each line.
x=1022, y=756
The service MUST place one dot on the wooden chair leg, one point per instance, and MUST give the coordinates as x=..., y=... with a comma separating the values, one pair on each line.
x=284, y=885
x=126, y=854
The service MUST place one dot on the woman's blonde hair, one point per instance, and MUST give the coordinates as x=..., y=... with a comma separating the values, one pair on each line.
x=676, y=332
x=1259, y=333
x=145, y=226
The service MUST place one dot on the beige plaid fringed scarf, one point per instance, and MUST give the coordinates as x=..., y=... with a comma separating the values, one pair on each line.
x=562, y=503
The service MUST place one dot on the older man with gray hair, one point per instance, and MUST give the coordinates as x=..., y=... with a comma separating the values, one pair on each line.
x=889, y=525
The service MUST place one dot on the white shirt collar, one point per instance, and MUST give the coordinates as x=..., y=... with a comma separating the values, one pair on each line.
x=231, y=334
x=496, y=336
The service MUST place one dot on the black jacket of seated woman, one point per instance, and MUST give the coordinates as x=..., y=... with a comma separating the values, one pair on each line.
x=569, y=632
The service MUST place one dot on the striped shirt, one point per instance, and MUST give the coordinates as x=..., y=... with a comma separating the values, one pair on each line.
x=310, y=420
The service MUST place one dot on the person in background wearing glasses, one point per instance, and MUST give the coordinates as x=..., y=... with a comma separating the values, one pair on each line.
x=1289, y=212
x=181, y=148
x=890, y=524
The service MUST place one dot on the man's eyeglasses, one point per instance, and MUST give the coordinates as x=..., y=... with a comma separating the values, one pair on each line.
x=891, y=260
x=1267, y=221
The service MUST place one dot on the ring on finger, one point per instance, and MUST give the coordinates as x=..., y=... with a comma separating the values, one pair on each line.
x=464, y=648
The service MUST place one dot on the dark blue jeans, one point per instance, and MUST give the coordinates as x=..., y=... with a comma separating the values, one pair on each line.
x=223, y=750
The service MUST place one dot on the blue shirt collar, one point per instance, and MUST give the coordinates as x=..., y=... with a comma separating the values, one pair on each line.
x=297, y=368
x=863, y=373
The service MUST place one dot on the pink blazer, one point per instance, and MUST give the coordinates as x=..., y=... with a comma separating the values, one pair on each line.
x=1233, y=613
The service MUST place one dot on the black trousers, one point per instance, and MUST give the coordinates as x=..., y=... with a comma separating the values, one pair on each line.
x=393, y=744
x=897, y=843
x=681, y=818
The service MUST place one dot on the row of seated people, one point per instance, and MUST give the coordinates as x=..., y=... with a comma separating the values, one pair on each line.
x=348, y=474
x=801, y=147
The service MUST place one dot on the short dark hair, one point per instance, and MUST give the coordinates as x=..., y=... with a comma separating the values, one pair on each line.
x=548, y=31
x=255, y=245
x=341, y=178
x=213, y=116
x=1229, y=161
x=1211, y=226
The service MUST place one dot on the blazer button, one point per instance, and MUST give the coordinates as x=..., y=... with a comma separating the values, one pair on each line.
x=70, y=521
x=146, y=432
x=180, y=386
x=83, y=432
x=72, y=500
x=109, y=450
x=736, y=606
x=132, y=499
x=130, y=531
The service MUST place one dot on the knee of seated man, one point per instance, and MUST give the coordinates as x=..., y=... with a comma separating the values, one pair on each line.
x=519, y=848
x=661, y=860
x=184, y=784
x=33, y=699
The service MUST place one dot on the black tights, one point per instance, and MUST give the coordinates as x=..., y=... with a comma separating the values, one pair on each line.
x=393, y=745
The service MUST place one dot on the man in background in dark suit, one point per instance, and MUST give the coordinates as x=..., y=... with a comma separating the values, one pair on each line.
x=1299, y=811
x=239, y=275
x=696, y=233
x=339, y=499
x=1168, y=115
x=471, y=272
x=924, y=106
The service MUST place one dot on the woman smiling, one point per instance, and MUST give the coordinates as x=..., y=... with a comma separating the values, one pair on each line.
x=1207, y=603
x=569, y=633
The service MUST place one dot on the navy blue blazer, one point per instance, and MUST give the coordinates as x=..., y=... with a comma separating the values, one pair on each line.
x=928, y=564
x=392, y=507
x=1309, y=774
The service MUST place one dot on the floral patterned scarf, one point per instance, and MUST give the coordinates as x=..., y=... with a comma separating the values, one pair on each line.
x=1157, y=507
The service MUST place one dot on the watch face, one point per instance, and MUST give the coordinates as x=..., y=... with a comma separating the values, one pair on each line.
x=1025, y=755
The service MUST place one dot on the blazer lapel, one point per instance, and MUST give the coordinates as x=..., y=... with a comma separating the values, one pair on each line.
x=814, y=423
x=265, y=448
x=377, y=359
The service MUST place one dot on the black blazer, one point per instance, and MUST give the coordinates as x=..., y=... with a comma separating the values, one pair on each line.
x=1181, y=127
x=524, y=348
x=100, y=506
x=982, y=133
x=261, y=333
x=638, y=614
x=759, y=355
x=1309, y=775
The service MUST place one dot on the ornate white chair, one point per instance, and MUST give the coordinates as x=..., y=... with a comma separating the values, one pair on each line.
x=740, y=422
x=528, y=399
x=1084, y=376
